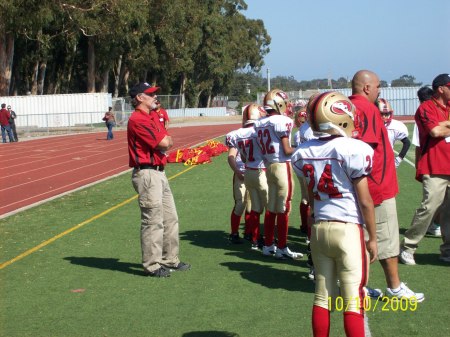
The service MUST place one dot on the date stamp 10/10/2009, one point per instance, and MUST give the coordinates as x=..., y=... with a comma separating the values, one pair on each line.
x=369, y=304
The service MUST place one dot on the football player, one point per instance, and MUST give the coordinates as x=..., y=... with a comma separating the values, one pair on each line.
x=251, y=177
x=273, y=136
x=336, y=167
x=396, y=129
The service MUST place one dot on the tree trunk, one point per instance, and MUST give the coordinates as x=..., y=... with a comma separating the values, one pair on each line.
x=6, y=61
x=117, y=72
x=104, y=82
x=126, y=75
x=91, y=66
x=41, y=78
x=34, y=77
x=182, y=104
x=208, y=102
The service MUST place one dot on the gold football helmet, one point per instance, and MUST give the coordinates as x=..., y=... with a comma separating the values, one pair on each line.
x=251, y=113
x=332, y=113
x=278, y=100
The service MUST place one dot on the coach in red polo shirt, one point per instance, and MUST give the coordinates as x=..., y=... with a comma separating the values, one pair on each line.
x=147, y=142
x=382, y=180
x=433, y=169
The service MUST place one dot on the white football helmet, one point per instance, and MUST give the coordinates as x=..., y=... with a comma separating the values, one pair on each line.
x=278, y=101
x=332, y=113
x=386, y=111
x=251, y=113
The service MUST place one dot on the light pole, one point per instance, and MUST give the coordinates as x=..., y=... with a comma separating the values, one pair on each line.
x=268, y=79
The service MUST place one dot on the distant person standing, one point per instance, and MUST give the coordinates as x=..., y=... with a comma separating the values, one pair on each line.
x=147, y=143
x=397, y=130
x=163, y=116
x=12, y=123
x=110, y=121
x=4, y=122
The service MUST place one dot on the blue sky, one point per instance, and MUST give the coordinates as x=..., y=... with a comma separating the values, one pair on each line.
x=326, y=38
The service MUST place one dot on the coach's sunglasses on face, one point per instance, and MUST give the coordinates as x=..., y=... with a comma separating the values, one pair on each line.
x=386, y=114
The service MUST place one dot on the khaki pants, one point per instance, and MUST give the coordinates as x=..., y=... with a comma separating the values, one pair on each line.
x=159, y=219
x=436, y=192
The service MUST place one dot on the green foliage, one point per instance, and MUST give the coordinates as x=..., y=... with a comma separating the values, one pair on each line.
x=405, y=81
x=186, y=46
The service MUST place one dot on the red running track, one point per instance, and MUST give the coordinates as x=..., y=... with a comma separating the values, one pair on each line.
x=38, y=170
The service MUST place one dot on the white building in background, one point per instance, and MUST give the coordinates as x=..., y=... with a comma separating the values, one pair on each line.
x=58, y=110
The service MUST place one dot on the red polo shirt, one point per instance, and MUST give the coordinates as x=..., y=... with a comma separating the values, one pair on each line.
x=383, y=178
x=144, y=133
x=435, y=152
x=163, y=116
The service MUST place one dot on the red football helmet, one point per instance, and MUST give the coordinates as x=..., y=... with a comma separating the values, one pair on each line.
x=332, y=113
x=387, y=113
x=300, y=117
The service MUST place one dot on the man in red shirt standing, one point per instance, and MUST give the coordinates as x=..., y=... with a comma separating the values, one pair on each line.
x=147, y=143
x=382, y=180
x=433, y=170
x=4, y=122
x=162, y=114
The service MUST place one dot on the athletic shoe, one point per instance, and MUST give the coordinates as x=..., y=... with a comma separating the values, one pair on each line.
x=234, y=238
x=310, y=262
x=248, y=237
x=269, y=250
x=444, y=258
x=404, y=293
x=311, y=274
x=434, y=230
x=161, y=272
x=374, y=294
x=286, y=253
x=258, y=244
x=407, y=258
x=181, y=266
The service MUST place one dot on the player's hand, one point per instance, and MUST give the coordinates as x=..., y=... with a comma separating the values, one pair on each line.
x=398, y=160
x=240, y=176
x=372, y=248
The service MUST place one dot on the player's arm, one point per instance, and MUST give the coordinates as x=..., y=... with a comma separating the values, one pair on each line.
x=232, y=153
x=368, y=212
x=288, y=150
x=405, y=147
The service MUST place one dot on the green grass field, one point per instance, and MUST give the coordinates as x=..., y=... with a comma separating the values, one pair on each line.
x=85, y=278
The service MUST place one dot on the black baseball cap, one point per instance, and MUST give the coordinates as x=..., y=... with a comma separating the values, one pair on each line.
x=142, y=88
x=441, y=80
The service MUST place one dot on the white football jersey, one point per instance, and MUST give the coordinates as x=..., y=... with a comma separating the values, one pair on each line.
x=330, y=165
x=415, y=137
x=303, y=134
x=269, y=132
x=244, y=140
x=396, y=131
